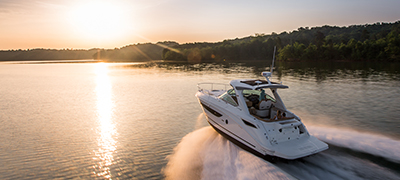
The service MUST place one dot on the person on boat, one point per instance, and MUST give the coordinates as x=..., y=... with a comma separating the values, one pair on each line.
x=278, y=115
x=263, y=102
x=262, y=95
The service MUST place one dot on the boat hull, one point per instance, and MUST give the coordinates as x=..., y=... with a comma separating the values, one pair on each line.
x=243, y=146
x=250, y=136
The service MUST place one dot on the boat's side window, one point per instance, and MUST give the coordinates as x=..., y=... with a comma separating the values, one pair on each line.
x=228, y=98
x=233, y=95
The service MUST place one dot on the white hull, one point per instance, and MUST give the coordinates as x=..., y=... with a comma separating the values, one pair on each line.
x=280, y=139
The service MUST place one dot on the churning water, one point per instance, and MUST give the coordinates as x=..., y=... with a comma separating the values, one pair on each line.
x=203, y=154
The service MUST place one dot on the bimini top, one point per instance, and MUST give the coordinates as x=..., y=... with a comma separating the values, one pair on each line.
x=254, y=84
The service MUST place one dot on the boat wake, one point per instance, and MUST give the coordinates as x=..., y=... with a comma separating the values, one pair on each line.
x=372, y=144
x=204, y=154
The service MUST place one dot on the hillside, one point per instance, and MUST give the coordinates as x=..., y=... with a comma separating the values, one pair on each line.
x=136, y=52
x=370, y=42
x=46, y=54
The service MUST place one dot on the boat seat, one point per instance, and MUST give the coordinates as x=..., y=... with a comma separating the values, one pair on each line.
x=264, y=105
x=249, y=104
x=253, y=110
x=262, y=113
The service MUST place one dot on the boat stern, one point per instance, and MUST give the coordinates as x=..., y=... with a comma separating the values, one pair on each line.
x=301, y=148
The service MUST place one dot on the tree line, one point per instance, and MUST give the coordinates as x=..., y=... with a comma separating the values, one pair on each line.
x=134, y=52
x=370, y=42
x=46, y=54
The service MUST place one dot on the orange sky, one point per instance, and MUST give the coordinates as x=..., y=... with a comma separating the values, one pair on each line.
x=85, y=24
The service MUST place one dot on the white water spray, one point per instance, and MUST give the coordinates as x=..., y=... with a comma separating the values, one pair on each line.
x=203, y=154
x=373, y=144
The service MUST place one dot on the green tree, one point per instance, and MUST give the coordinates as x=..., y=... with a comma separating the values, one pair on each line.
x=393, y=46
x=364, y=35
x=319, y=38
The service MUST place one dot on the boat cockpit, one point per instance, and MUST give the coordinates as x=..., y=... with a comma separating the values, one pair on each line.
x=260, y=104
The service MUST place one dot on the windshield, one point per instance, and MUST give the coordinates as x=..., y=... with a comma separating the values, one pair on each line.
x=229, y=97
x=257, y=93
x=231, y=92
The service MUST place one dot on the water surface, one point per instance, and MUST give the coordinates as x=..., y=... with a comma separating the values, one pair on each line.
x=121, y=120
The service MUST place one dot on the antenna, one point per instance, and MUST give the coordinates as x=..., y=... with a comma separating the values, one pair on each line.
x=269, y=74
x=273, y=60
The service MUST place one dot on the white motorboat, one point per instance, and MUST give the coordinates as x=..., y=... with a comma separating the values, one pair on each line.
x=257, y=121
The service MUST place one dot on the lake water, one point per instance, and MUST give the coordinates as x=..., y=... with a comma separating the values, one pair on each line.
x=142, y=121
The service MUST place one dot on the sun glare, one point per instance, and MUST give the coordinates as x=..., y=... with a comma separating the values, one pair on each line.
x=107, y=140
x=99, y=20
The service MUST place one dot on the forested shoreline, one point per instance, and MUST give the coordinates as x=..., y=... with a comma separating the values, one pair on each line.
x=136, y=52
x=133, y=52
x=369, y=42
x=46, y=54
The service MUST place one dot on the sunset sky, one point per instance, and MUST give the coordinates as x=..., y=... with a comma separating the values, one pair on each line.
x=84, y=24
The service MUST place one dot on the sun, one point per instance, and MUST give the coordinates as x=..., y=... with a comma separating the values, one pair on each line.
x=99, y=20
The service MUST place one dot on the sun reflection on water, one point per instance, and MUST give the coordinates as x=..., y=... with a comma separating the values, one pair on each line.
x=107, y=132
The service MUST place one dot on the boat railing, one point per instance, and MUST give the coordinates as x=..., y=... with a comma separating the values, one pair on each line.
x=212, y=88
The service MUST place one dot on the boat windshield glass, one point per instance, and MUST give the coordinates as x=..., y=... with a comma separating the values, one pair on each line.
x=247, y=93
x=229, y=97
x=231, y=92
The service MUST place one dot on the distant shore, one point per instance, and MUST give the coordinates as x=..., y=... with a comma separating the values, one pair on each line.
x=370, y=42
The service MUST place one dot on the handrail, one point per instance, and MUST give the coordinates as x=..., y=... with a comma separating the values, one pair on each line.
x=212, y=85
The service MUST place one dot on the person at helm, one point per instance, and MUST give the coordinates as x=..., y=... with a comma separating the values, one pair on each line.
x=262, y=95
